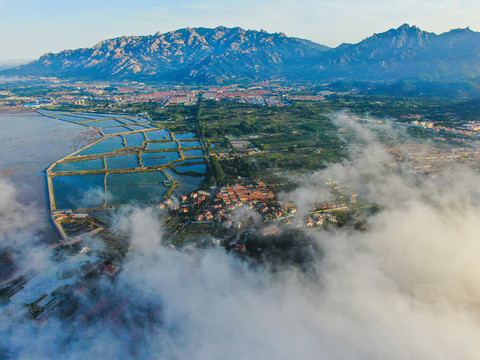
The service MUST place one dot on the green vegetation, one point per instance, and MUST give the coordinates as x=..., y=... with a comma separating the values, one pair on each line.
x=215, y=174
x=251, y=141
x=299, y=137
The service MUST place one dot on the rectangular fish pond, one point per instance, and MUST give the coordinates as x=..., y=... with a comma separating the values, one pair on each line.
x=159, y=158
x=190, y=144
x=104, y=146
x=96, y=164
x=162, y=145
x=115, y=130
x=134, y=140
x=192, y=153
x=136, y=178
x=104, y=123
x=135, y=194
x=184, y=136
x=158, y=135
x=92, y=116
x=78, y=191
x=198, y=168
x=122, y=162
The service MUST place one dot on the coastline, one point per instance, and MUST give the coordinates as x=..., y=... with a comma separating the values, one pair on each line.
x=13, y=110
x=29, y=143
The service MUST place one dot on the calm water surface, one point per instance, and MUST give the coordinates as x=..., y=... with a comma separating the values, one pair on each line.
x=184, y=136
x=29, y=143
x=199, y=168
x=104, y=146
x=134, y=140
x=162, y=146
x=158, y=135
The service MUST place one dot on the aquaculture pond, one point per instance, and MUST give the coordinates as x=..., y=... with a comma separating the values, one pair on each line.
x=82, y=116
x=137, y=127
x=78, y=191
x=190, y=144
x=91, y=116
x=184, y=136
x=162, y=145
x=144, y=177
x=74, y=117
x=69, y=118
x=95, y=164
x=82, y=119
x=137, y=187
x=115, y=130
x=137, y=119
x=135, y=194
x=199, y=168
x=104, y=123
x=104, y=146
x=189, y=161
x=186, y=184
x=134, y=140
x=50, y=112
x=122, y=162
x=30, y=143
x=158, y=135
x=192, y=153
x=127, y=120
x=158, y=159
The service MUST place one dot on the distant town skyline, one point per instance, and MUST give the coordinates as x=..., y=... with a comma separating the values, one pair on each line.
x=31, y=28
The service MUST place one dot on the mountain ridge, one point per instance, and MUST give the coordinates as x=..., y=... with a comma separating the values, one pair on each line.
x=221, y=54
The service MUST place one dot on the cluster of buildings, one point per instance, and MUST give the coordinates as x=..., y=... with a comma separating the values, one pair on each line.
x=422, y=124
x=305, y=98
x=320, y=219
x=257, y=199
x=80, y=93
x=253, y=95
x=463, y=130
x=324, y=213
x=470, y=128
x=168, y=97
x=262, y=201
x=271, y=96
x=227, y=199
x=251, y=194
x=431, y=159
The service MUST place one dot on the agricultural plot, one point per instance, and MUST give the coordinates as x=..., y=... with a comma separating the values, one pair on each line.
x=127, y=166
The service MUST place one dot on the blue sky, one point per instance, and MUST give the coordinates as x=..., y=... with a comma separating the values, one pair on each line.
x=30, y=28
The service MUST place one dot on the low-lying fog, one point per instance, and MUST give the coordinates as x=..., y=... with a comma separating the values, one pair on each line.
x=406, y=288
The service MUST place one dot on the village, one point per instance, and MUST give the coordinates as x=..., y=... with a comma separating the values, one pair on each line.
x=64, y=93
x=231, y=210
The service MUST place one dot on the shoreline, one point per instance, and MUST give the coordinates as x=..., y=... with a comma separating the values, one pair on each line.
x=49, y=175
x=13, y=110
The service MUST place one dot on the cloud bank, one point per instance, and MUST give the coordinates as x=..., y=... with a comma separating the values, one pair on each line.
x=406, y=288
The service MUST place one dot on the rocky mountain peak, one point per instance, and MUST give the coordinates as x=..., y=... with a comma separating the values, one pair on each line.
x=221, y=54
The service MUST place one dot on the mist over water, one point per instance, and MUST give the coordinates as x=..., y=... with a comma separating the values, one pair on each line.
x=405, y=288
x=29, y=143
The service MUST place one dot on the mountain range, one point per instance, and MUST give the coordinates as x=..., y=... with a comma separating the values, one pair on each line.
x=202, y=56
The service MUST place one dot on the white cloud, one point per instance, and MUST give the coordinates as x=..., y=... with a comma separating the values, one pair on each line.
x=406, y=288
